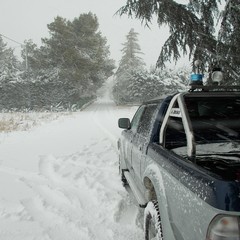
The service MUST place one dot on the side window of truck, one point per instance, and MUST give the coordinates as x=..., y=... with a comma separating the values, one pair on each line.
x=136, y=118
x=146, y=119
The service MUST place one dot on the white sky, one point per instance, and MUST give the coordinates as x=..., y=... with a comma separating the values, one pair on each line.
x=27, y=19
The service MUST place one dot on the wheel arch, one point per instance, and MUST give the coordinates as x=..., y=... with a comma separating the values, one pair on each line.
x=153, y=180
x=155, y=188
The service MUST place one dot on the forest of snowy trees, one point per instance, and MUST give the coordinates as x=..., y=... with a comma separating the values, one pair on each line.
x=64, y=73
x=69, y=67
x=203, y=30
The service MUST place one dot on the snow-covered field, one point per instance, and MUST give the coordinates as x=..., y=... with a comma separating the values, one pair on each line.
x=59, y=180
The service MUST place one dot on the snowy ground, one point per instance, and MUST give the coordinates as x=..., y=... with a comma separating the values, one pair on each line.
x=59, y=180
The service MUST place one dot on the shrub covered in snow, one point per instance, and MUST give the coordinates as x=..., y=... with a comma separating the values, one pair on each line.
x=140, y=86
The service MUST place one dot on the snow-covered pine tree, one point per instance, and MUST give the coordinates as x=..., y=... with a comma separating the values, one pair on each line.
x=80, y=51
x=157, y=83
x=130, y=63
x=144, y=86
x=131, y=52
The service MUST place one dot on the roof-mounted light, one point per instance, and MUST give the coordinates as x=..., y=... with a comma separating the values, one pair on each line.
x=217, y=76
x=197, y=78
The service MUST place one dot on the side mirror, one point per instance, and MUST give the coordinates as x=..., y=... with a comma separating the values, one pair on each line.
x=124, y=123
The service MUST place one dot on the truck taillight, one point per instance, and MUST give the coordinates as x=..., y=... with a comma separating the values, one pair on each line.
x=224, y=227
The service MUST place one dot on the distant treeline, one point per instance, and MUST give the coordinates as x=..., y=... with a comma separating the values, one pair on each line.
x=41, y=96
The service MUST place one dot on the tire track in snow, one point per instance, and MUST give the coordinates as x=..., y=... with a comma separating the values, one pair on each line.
x=105, y=113
x=104, y=116
x=80, y=196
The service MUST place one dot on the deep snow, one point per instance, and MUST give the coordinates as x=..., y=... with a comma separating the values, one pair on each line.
x=60, y=180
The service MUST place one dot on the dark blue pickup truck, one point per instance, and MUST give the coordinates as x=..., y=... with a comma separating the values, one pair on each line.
x=180, y=157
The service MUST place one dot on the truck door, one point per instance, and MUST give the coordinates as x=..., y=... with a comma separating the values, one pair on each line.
x=141, y=140
x=131, y=134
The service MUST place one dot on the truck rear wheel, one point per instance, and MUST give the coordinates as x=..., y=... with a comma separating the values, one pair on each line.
x=152, y=222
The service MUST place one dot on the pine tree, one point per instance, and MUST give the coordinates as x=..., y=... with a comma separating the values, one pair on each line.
x=130, y=63
x=194, y=31
x=131, y=52
x=80, y=52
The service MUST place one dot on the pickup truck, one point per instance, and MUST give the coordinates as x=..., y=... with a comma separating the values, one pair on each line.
x=180, y=156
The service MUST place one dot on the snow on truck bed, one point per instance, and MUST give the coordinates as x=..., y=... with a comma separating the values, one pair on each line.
x=60, y=180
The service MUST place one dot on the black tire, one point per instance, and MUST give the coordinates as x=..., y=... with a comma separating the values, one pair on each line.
x=152, y=222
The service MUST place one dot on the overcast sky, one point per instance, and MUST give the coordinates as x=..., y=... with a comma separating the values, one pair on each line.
x=28, y=19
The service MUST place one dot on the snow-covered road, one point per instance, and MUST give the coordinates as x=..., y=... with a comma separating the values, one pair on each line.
x=60, y=181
